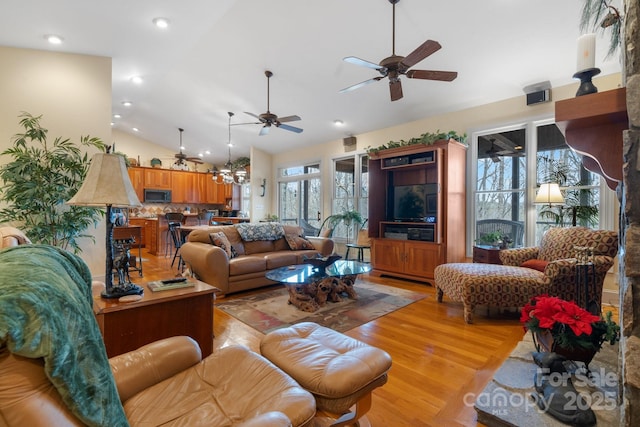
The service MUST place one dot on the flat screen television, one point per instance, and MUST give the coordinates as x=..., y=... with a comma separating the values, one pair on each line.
x=415, y=203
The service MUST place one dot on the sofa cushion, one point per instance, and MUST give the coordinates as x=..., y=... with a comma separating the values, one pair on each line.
x=232, y=385
x=280, y=259
x=247, y=264
x=221, y=240
x=262, y=231
x=297, y=243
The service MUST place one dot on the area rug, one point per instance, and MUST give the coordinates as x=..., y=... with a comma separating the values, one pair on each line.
x=270, y=310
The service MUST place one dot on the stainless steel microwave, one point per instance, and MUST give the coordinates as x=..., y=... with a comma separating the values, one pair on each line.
x=157, y=196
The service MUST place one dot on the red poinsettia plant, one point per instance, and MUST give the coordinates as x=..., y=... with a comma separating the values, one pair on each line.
x=571, y=326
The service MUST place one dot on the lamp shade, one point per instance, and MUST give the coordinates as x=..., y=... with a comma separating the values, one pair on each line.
x=549, y=194
x=107, y=184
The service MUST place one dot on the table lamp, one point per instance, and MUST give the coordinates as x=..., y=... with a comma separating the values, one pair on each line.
x=107, y=184
x=549, y=194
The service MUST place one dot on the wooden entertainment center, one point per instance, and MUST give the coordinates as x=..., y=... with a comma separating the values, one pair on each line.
x=411, y=248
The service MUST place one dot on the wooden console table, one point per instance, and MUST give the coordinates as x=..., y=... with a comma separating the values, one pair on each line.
x=128, y=326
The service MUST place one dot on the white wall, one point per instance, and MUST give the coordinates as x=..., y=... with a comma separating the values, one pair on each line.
x=73, y=95
x=465, y=121
x=139, y=148
x=261, y=169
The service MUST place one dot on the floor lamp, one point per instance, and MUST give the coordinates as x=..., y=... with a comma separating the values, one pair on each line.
x=107, y=184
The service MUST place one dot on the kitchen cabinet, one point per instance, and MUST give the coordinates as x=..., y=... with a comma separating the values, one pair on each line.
x=184, y=187
x=136, y=175
x=157, y=178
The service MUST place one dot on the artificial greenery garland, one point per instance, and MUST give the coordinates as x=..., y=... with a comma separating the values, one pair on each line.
x=427, y=138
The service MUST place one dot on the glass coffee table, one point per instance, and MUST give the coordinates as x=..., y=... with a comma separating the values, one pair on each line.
x=311, y=287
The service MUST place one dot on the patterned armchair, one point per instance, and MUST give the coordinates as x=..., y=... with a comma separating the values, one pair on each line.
x=556, y=257
x=550, y=268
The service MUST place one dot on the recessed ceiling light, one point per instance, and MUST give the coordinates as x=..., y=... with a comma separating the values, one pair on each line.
x=161, y=22
x=207, y=152
x=135, y=129
x=200, y=155
x=113, y=124
x=338, y=122
x=116, y=116
x=136, y=79
x=127, y=103
x=54, y=39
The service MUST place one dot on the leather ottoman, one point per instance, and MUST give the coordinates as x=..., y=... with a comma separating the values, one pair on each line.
x=338, y=370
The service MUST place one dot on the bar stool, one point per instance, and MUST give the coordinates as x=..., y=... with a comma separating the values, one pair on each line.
x=173, y=236
x=204, y=217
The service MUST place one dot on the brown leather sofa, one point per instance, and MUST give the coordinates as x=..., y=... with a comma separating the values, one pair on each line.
x=247, y=270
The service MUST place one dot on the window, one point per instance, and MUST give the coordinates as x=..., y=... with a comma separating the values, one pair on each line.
x=511, y=162
x=351, y=190
x=558, y=163
x=300, y=197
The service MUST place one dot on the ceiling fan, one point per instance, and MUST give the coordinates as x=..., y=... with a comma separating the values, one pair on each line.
x=499, y=149
x=394, y=66
x=182, y=157
x=269, y=119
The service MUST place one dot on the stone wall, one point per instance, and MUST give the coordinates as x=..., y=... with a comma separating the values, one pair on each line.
x=630, y=224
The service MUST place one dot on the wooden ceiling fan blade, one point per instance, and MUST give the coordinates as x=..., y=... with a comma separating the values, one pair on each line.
x=288, y=119
x=446, y=76
x=395, y=88
x=425, y=49
x=265, y=129
x=289, y=127
x=361, y=62
x=359, y=85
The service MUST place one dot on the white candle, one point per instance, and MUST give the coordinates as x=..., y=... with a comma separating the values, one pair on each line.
x=586, y=51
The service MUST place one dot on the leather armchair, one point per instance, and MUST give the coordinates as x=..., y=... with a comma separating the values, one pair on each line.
x=48, y=377
x=165, y=382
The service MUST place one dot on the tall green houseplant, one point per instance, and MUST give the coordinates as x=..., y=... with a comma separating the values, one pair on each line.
x=38, y=181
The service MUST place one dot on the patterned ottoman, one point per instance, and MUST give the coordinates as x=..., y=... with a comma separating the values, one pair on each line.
x=488, y=284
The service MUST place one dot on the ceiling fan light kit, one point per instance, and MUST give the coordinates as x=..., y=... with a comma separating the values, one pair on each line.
x=395, y=66
x=229, y=174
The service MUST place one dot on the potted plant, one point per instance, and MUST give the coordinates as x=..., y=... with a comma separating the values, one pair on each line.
x=39, y=180
x=565, y=328
x=348, y=217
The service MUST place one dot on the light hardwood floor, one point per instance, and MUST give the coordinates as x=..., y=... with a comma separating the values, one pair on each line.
x=439, y=362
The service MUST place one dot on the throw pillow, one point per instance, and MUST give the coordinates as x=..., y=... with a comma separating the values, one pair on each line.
x=297, y=243
x=536, y=264
x=220, y=240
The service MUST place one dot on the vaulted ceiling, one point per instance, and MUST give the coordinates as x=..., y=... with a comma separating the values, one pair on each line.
x=213, y=56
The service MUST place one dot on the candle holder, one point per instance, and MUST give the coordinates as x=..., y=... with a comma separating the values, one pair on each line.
x=585, y=76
